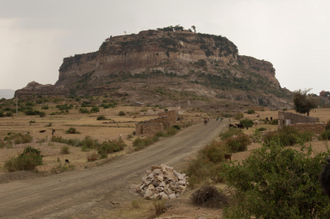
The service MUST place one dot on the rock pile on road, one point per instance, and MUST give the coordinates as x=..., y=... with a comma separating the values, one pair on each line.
x=162, y=182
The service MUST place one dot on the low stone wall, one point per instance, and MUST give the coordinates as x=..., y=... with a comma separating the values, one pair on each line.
x=317, y=128
x=163, y=120
x=152, y=126
x=148, y=129
x=260, y=108
x=172, y=116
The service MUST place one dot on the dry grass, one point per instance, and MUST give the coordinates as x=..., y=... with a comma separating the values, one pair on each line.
x=86, y=124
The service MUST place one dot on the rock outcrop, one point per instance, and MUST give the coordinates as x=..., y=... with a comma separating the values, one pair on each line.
x=153, y=65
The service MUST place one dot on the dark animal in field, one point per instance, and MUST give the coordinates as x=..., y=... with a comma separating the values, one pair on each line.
x=67, y=161
x=271, y=118
x=240, y=126
x=325, y=178
x=205, y=122
x=231, y=125
x=267, y=119
x=228, y=157
x=42, y=131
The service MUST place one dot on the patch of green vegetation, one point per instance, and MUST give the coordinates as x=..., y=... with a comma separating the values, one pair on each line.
x=28, y=160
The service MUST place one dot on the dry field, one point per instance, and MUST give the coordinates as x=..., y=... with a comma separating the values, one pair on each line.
x=86, y=124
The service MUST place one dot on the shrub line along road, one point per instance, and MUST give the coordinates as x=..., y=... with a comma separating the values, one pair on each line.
x=87, y=192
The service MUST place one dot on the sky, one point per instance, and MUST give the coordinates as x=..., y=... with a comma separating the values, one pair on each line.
x=294, y=35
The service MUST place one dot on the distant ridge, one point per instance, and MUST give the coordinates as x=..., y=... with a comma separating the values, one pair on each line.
x=6, y=93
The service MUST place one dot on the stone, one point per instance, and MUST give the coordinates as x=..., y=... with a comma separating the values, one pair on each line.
x=162, y=184
x=153, y=167
x=172, y=196
x=148, y=194
x=151, y=187
x=182, y=182
x=159, y=178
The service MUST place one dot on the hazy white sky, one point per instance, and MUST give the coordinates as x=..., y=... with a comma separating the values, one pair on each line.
x=294, y=35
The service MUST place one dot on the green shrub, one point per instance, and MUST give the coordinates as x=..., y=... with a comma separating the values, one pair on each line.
x=172, y=131
x=104, y=156
x=62, y=168
x=45, y=107
x=2, y=144
x=108, y=147
x=141, y=143
x=239, y=143
x=31, y=112
x=95, y=109
x=325, y=135
x=261, y=129
x=83, y=110
x=21, y=138
x=327, y=125
x=72, y=131
x=121, y=113
x=72, y=142
x=29, y=104
x=161, y=134
x=89, y=143
x=214, y=152
x=288, y=136
x=274, y=122
x=230, y=133
x=239, y=116
x=28, y=160
x=201, y=170
x=277, y=182
x=251, y=111
x=42, y=114
x=246, y=122
x=65, y=150
x=101, y=118
x=9, y=114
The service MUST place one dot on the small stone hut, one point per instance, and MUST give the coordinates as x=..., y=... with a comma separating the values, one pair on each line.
x=301, y=122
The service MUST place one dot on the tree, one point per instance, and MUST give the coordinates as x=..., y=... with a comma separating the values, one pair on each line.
x=278, y=182
x=194, y=28
x=303, y=103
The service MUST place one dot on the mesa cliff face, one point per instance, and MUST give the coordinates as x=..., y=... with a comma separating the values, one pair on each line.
x=203, y=65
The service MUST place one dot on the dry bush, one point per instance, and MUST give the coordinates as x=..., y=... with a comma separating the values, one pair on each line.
x=65, y=150
x=159, y=207
x=92, y=157
x=327, y=125
x=62, y=168
x=136, y=204
x=209, y=196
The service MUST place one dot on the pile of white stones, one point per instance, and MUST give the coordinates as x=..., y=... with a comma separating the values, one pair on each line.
x=162, y=182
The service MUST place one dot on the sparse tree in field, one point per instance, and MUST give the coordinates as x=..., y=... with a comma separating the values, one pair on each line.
x=194, y=28
x=303, y=103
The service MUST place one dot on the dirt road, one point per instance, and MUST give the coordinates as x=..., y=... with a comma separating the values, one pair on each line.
x=92, y=192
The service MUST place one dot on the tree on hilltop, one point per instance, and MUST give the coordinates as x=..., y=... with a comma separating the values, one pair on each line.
x=302, y=102
x=194, y=28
